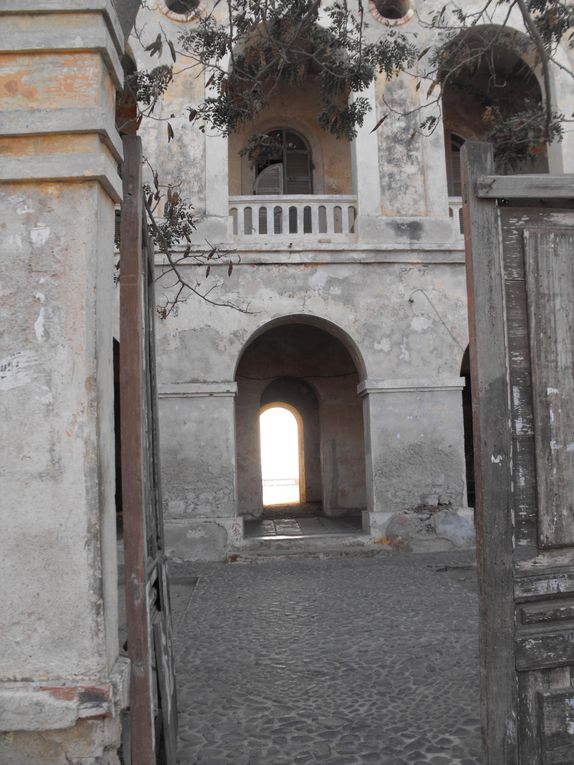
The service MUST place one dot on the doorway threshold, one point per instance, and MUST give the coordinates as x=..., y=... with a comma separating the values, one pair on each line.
x=287, y=528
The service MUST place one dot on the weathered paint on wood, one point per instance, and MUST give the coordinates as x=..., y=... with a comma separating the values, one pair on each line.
x=132, y=402
x=517, y=309
x=544, y=651
x=550, y=280
x=547, y=611
x=544, y=584
x=558, y=726
x=154, y=705
x=525, y=186
x=492, y=448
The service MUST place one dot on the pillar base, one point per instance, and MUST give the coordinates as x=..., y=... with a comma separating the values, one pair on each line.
x=201, y=539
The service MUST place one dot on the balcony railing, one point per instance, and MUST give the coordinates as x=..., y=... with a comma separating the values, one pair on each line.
x=296, y=217
x=455, y=212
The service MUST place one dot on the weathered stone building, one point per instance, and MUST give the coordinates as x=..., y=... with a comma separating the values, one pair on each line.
x=355, y=285
x=352, y=270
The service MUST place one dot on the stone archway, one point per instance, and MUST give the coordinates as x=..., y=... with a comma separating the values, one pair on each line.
x=307, y=366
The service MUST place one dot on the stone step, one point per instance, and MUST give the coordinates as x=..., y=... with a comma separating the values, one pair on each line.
x=331, y=545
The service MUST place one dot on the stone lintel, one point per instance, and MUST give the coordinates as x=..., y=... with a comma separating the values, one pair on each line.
x=198, y=390
x=58, y=704
x=102, y=33
x=63, y=167
x=16, y=124
x=420, y=385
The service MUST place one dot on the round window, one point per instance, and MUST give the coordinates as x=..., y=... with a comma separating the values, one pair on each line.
x=391, y=11
x=181, y=10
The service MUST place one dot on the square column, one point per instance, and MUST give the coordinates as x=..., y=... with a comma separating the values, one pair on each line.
x=414, y=446
x=62, y=682
x=197, y=422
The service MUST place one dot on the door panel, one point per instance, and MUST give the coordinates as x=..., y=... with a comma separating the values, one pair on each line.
x=520, y=265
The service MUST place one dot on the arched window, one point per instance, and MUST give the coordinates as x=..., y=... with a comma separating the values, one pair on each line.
x=282, y=461
x=453, y=145
x=285, y=167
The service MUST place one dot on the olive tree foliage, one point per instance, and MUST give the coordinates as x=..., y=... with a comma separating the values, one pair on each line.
x=248, y=50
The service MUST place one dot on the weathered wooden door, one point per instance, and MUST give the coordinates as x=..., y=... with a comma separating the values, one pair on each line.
x=520, y=269
x=153, y=708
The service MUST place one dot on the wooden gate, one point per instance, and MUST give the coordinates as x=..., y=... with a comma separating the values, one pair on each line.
x=520, y=268
x=153, y=708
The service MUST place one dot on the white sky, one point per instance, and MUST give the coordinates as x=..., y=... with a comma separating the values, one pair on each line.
x=279, y=454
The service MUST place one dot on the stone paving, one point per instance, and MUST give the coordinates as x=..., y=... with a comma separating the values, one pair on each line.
x=340, y=661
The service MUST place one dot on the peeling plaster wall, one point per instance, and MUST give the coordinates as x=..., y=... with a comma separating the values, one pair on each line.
x=401, y=166
x=367, y=300
x=182, y=161
x=405, y=321
x=59, y=663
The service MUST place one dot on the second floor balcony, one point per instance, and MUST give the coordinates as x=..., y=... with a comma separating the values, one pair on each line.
x=300, y=217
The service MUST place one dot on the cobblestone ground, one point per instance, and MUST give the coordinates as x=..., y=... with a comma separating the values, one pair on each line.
x=340, y=661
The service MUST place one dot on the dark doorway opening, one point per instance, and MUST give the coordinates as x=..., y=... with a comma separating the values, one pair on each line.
x=467, y=421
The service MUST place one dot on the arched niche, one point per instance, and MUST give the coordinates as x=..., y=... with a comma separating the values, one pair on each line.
x=293, y=110
x=499, y=78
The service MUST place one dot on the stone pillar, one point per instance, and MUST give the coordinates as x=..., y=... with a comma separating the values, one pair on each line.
x=62, y=682
x=217, y=226
x=366, y=181
x=414, y=446
x=197, y=422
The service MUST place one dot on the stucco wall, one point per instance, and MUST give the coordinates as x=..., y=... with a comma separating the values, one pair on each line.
x=58, y=187
x=405, y=326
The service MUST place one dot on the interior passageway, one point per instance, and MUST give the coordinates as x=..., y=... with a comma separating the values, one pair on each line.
x=299, y=426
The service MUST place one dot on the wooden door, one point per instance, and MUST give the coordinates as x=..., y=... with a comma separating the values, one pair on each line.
x=520, y=268
x=153, y=707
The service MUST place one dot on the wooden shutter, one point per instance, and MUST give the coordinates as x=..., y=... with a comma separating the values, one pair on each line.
x=270, y=180
x=297, y=172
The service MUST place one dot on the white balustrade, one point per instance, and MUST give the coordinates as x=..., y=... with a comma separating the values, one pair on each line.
x=293, y=217
x=455, y=212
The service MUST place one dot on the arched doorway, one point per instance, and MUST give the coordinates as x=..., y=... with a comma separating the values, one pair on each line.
x=281, y=433
x=306, y=368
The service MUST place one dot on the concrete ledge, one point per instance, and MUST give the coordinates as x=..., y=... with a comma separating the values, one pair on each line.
x=56, y=705
x=198, y=390
x=421, y=385
x=106, y=7
x=51, y=35
x=381, y=228
x=63, y=167
x=62, y=121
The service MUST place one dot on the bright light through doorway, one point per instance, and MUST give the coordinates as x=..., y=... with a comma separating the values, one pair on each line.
x=280, y=456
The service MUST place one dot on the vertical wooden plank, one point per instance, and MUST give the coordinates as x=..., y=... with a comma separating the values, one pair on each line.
x=550, y=280
x=492, y=449
x=132, y=402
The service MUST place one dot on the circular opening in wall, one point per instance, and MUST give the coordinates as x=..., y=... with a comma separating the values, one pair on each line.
x=391, y=11
x=181, y=9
